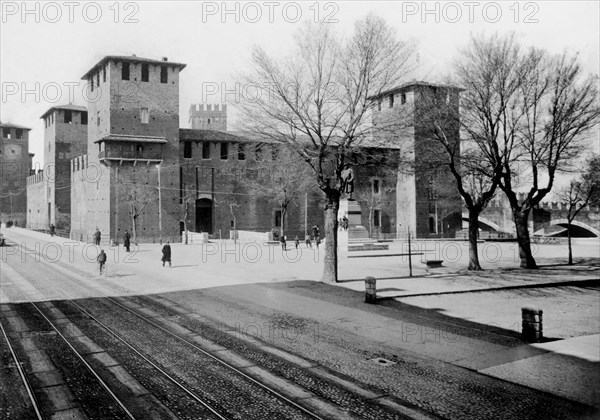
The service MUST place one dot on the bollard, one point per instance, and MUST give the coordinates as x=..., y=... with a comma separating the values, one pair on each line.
x=532, y=324
x=370, y=289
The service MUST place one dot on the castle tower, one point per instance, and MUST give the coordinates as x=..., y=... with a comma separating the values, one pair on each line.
x=427, y=201
x=208, y=116
x=133, y=150
x=15, y=163
x=65, y=136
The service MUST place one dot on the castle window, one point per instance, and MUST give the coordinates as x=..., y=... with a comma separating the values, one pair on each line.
x=139, y=148
x=277, y=217
x=19, y=133
x=376, y=186
x=98, y=118
x=144, y=115
x=124, y=71
x=145, y=77
x=68, y=117
x=241, y=152
x=6, y=133
x=403, y=98
x=187, y=150
x=98, y=79
x=224, y=151
x=392, y=100
x=208, y=121
x=376, y=218
x=258, y=152
x=84, y=118
x=91, y=83
x=104, y=73
x=205, y=150
x=163, y=74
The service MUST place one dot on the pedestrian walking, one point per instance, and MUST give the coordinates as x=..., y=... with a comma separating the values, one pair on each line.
x=126, y=242
x=297, y=241
x=307, y=241
x=97, y=236
x=101, y=261
x=52, y=230
x=166, y=254
x=317, y=242
x=315, y=231
x=283, y=244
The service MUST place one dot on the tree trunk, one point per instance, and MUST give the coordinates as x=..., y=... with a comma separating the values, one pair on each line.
x=133, y=229
x=473, y=233
x=283, y=212
x=569, y=241
x=527, y=260
x=330, y=269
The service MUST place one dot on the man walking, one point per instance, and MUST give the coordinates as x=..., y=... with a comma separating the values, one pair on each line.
x=97, y=236
x=101, y=260
x=307, y=241
x=126, y=242
x=283, y=244
x=166, y=254
x=52, y=230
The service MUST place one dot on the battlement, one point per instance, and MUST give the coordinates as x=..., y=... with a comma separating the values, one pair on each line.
x=208, y=116
x=201, y=108
x=79, y=163
x=36, y=177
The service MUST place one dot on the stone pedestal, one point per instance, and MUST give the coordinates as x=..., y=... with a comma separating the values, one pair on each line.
x=370, y=290
x=356, y=233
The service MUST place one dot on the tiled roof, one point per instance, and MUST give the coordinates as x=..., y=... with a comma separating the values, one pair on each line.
x=407, y=85
x=10, y=125
x=67, y=106
x=131, y=59
x=132, y=139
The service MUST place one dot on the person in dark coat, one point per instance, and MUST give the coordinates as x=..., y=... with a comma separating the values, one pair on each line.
x=297, y=241
x=126, y=242
x=101, y=260
x=52, y=230
x=97, y=236
x=166, y=254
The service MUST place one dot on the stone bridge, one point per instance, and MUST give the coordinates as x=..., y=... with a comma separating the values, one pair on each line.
x=550, y=218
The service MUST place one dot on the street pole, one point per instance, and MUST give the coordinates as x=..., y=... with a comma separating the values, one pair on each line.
x=306, y=214
x=159, y=206
x=409, y=255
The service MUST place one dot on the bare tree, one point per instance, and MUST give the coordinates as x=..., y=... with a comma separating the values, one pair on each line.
x=579, y=194
x=318, y=101
x=137, y=196
x=559, y=105
x=187, y=199
x=280, y=177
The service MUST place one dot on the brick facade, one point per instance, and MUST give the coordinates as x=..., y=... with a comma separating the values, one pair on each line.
x=419, y=205
x=15, y=165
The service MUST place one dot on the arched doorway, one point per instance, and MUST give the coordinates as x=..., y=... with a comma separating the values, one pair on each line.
x=204, y=215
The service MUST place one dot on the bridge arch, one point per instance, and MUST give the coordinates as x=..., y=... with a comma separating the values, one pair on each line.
x=487, y=222
x=565, y=223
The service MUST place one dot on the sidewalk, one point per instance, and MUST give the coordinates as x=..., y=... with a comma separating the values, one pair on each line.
x=489, y=301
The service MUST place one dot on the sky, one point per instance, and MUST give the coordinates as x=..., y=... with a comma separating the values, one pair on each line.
x=45, y=47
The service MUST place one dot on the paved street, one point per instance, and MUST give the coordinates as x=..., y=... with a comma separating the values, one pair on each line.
x=449, y=340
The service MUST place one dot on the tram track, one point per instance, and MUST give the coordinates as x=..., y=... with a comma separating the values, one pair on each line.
x=306, y=412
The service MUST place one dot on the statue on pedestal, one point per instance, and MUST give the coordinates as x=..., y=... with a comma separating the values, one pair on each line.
x=348, y=181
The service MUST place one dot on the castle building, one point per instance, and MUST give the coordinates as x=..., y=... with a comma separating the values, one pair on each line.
x=208, y=117
x=129, y=178
x=15, y=164
x=49, y=189
x=130, y=166
x=428, y=202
